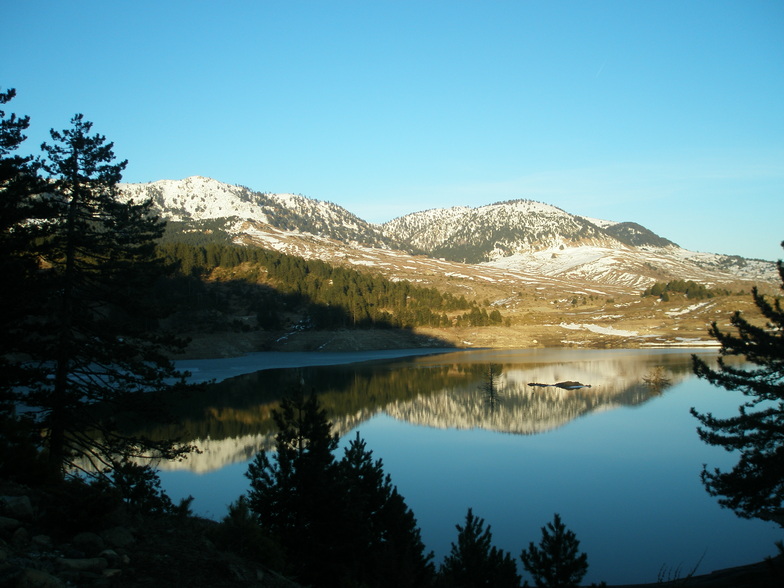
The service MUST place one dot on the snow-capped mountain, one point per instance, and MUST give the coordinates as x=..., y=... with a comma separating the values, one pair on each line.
x=486, y=233
x=500, y=230
x=198, y=199
x=517, y=236
x=540, y=239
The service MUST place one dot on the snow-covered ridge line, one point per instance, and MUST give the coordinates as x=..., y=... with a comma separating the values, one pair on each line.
x=518, y=236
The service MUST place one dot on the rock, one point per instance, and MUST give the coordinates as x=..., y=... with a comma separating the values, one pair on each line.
x=114, y=558
x=30, y=578
x=90, y=543
x=118, y=537
x=17, y=507
x=42, y=542
x=20, y=538
x=70, y=552
x=571, y=385
x=111, y=572
x=86, y=564
x=9, y=525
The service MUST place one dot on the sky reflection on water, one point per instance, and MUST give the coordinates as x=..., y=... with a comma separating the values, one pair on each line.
x=625, y=479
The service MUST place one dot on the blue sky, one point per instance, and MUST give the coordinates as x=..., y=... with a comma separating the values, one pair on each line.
x=669, y=114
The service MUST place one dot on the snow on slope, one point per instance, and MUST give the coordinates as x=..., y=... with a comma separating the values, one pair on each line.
x=199, y=198
x=635, y=268
x=602, y=224
x=518, y=237
x=513, y=225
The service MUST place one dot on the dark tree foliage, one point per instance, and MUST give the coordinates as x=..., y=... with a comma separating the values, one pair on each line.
x=556, y=562
x=475, y=562
x=490, y=388
x=692, y=290
x=337, y=523
x=296, y=494
x=754, y=488
x=333, y=296
x=19, y=183
x=381, y=531
x=90, y=343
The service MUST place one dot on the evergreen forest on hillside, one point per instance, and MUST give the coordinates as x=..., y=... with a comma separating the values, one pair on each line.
x=691, y=289
x=275, y=286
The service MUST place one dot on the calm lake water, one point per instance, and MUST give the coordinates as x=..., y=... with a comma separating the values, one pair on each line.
x=620, y=461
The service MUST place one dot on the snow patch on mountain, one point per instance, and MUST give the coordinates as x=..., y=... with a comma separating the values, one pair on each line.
x=494, y=231
x=198, y=199
x=598, y=329
x=518, y=241
x=602, y=224
x=636, y=267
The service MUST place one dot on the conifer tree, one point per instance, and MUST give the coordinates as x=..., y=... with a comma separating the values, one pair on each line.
x=97, y=359
x=338, y=523
x=754, y=488
x=19, y=183
x=474, y=562
x=297, y=496
x=381, y=532
x=556, y=562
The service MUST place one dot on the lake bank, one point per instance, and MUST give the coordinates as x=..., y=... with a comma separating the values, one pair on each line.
x=221, y=368
x=566, y=334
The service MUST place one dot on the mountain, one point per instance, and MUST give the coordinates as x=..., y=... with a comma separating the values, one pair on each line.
x=636, y=235
x=476, y=235
x=520, y=241
x=194, y=200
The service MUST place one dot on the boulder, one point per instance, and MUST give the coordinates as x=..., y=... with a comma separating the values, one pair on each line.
x=30, y=578
x=16, y=507
x=20, y=538
x=84, y=564
x=42, y=542
x=113, y=558
x=118, y=537
x=88, y=543
x=111, y=572
x=8, y=525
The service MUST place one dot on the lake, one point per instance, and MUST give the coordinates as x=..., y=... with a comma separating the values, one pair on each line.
x=619, y=460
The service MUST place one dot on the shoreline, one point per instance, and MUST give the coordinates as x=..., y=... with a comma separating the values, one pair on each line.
x=257, y=361
x=222, y=368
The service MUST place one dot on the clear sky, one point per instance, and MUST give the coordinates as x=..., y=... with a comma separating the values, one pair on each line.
x=665, y=113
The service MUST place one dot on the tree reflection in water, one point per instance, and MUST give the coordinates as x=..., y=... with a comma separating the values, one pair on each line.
x=621, y=459
x=231, y=420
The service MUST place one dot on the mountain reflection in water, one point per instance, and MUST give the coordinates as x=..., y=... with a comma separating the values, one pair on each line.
x=620, y=460
x=231, y=421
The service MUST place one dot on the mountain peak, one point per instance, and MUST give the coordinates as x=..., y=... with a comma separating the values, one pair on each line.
x=516, y=235
x=197, y=198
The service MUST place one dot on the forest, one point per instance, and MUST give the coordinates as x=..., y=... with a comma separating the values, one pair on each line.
x=692, y=290
x=274, y=285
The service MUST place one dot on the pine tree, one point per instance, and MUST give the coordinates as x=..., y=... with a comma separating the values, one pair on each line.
x=383, y=541
x=474, y=562
x=19, y=183
x=490, y=388
x=97, y=359
x=337, y=523
x=754, y=488
x=556, y=562
x=297, y=495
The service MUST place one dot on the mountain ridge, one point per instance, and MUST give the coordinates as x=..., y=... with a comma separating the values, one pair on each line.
x=518, y=235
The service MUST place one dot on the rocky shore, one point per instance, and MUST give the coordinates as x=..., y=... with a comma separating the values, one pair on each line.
x=119, y=551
